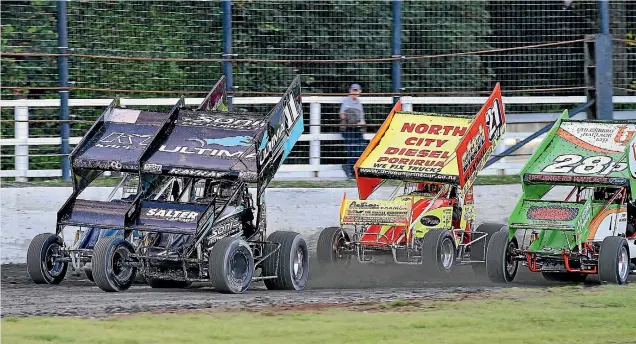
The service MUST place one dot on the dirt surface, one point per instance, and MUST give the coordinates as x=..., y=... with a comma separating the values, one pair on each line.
x=27, y=212
x=76, y=296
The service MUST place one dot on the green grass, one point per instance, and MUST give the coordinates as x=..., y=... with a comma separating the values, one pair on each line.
x=557, y=315
x=481, y=180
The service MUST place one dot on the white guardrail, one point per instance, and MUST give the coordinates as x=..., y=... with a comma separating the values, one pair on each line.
x=314, y=169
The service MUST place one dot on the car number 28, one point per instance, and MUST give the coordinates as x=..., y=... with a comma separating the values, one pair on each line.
x=567, y=163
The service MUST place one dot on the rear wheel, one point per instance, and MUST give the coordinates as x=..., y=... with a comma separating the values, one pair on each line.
x=478, y=248
x=111, y=266
x=43, y=256
x=231, y=265
x=564, y=276
x=613, y=260
x=330, y=246
x=500, y=265
x=290, y=264
x=438, y=251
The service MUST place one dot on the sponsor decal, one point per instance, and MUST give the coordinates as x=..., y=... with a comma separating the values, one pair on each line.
x=196, y=173
x=598, y=137
x=220, y=121
x=430, y=220
x=204, y=151
x=127, y=141
x=173, y=215
x=574, y=179
x=416, y=175
x=226, y=228
x=552, y=213
x=585, y=215
x=152, y=168
x=231, y=141
x=418, y=146
x=376, y=212
x=98, y=164
x=594, y=165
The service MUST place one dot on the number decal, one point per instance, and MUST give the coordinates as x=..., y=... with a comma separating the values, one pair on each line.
x=563, y=163
x=567, y=163
x=494, y=121
x=593, y=165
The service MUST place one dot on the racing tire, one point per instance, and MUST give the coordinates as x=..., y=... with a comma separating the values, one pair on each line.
x=110, y=271
x=438, y=251
x=231, y=265
x=330, y=241
x=500, y=265
x=613, y=260
x=290, y=263
x=571, y=277
x=88, y=272
x=478, y=248
x=167, y=284
x=40, y=259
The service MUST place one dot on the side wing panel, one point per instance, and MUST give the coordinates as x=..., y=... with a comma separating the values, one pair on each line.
x=480, y=140
x=283, y=129
x=216, y=100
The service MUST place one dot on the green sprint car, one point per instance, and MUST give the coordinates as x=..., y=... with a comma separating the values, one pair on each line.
x=577, y=213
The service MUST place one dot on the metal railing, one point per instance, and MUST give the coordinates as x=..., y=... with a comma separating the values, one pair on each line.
x=314, y=169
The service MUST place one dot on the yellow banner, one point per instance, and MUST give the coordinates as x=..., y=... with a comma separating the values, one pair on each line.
x=418, y=146
x=363, y=212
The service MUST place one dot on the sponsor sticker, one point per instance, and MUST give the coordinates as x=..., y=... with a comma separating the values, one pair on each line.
x=172, y=215
x=376, y=212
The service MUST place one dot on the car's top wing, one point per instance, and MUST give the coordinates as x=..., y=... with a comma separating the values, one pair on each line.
x=425, y=146
x=118, y=139
x=214, y=144
x=582, y=152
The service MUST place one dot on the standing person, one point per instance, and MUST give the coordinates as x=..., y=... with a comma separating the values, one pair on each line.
x=352, y=126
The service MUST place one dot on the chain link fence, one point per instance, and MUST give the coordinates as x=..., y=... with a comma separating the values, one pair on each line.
x=167, y=48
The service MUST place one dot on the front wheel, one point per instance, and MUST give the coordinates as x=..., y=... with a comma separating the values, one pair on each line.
x=43, y=262
x=290, y=263
x=111, y=266
x=500, y=264
x=478, y=248
x=331, y=245
x=438, y=251
x=231, y=265
x=613, y=260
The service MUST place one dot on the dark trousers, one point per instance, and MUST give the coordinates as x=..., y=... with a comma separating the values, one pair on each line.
x=354, y=146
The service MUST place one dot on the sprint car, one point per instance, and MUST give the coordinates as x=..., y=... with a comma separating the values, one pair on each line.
x=112, y=145
x=577, y=214
x=193, y=207
x=428, y=219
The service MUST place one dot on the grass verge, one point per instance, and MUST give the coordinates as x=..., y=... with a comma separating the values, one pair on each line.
x=481, y=180
x=557, y=315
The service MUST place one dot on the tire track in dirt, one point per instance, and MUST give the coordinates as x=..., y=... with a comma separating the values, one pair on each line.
x=76, y=296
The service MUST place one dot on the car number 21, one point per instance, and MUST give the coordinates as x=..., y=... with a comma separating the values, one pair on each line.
x=567, y=163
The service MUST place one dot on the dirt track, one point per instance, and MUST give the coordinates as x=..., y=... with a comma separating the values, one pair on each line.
x=288, y=209
x=76, y=296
